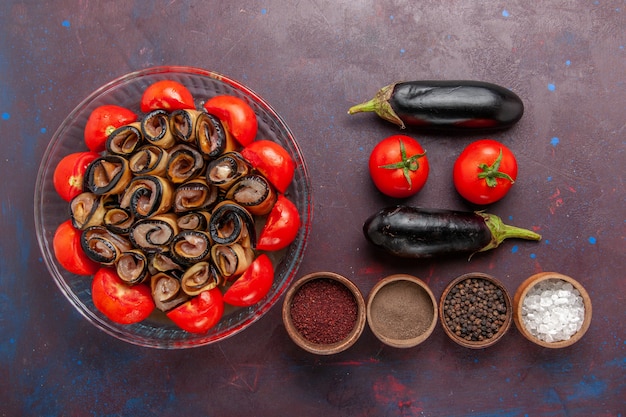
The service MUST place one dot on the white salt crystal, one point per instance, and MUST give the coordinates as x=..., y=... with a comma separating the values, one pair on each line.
x=545, y=302
x=553, y=310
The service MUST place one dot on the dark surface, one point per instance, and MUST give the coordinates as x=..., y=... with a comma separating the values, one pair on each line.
x=312, y=61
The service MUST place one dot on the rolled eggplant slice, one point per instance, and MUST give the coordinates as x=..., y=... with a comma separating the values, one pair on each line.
x=148, y=195
x=212, y=139
x=102, y=246
x=200, y=277
x=166, y=291
x=195, y=194
x=232, y=223
x=132, y=266
x=154, y=234
x=149, y=160
x=87, y=209
x=231, y=260
x=191, y=246
x=194, y=220
x=125, y=140
x=184, y=164
x=254, y=193
x=163, y=262
x=226, y=169
x=155, y=129
x=118, y=220
x=108, y=174
x=183, y=124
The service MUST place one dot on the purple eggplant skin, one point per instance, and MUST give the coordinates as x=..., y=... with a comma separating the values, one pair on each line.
x=413, y=232
x=452, y=106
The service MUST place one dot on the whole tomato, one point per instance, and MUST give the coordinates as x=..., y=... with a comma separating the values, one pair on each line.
x=102, y=122
x=485, y=171
x=236, y=114
x=69, y=172
x=168, y=95
x=273, y=161
x=398, y=166
x=120, y=302
x=68, y=251
x=253, y=284
x=200, y=313
x=281, y=226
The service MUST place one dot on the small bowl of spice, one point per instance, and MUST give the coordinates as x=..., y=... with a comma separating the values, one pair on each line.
x=324, y=313
x=475, y=310
x=552, y=310
x=401, y=311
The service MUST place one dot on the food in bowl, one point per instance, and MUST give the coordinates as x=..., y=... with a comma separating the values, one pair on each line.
x=173, y=206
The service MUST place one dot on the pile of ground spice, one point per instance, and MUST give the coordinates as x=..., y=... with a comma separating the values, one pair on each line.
x=475, y=309
x=324, y=311
x=401, y=310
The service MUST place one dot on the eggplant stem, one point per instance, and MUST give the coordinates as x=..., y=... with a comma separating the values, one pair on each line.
x=501, y=231
x=380, y=105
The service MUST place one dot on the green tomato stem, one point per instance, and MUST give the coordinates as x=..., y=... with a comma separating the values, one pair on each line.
x=406, y=164
x=491, y=173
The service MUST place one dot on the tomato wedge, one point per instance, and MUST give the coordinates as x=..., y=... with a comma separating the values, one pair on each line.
x=69, y=172
x=236, y=114
x=253, y=284
x=68, y=251
x=200, y=313
x=273, y=161
x=168, y=95
x=102, y=121
x=120, y=302
x=281, y=226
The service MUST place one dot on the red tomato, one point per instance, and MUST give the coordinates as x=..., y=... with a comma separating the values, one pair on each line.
x=281, y=226
x=120, y=302
x=273, y=161
x=200, y=313
x=398, y=166
x=236, y=114
x=68, y=251
x=167, y=95
x=484, y=172
x=253, y=284
x=68, y=174
x=102, y=122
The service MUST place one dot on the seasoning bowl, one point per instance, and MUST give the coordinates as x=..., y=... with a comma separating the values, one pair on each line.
x=571, y=306
x=475, y=310
x=401, y=311
x=324, y=313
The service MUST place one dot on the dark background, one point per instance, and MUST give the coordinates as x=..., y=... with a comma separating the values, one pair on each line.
x=312, y=60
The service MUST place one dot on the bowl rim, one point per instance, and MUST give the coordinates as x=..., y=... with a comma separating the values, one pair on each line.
x=501, y=331
x=45, y=245
x=402, y=343
x=523, y=290
x=316, y=348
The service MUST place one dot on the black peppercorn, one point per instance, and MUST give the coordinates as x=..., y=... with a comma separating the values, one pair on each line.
x=475, y=309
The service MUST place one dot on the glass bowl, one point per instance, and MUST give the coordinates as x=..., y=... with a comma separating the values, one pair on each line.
x=50, y=210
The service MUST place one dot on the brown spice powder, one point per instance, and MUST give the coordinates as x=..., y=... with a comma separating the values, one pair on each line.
x=401, y=310
x=324, y=311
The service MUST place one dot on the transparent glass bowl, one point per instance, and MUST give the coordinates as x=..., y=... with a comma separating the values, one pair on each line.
x=50, y=210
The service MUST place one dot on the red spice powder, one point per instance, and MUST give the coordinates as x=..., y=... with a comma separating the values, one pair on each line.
x=324, y=311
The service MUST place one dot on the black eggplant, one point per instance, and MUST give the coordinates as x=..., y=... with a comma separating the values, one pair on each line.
x=460, y=106
x=413, y=232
